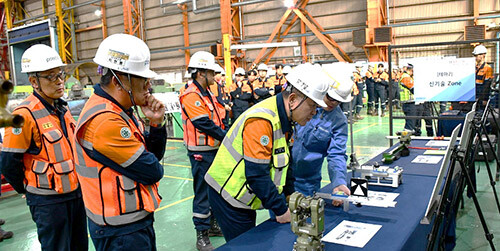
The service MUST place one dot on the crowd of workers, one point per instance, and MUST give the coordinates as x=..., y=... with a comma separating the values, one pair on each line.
x=103, y=172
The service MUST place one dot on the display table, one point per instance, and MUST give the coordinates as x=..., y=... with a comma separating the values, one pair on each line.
x=401, y=228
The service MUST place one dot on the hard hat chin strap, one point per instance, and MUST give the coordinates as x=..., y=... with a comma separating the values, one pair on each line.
x=292, y=109
x=40, y=86
x=130, y=94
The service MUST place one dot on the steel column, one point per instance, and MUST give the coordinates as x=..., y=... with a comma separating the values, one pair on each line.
x=132, y=18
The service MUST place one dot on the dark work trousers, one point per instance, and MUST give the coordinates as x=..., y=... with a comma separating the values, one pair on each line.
x=358, y=99
x=424, y=109
x=345, y=108
x=370, y=91
x=396, y=94
x=409, y=109
x=379, y=96
x=61, y=226
x=232, y=221
x=236, y=114
x=201, y=207
x=143, y=240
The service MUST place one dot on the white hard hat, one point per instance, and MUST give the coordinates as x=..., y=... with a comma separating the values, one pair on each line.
x=478, y=50
x=358, y=64
x=125, y=53
x=287, y=69
x=341, y=91
x=262, y=67
x=40, y=57
x=202, y=60
x=218, y=68
x=311, y=81
x=239, y=71
x=340, y=81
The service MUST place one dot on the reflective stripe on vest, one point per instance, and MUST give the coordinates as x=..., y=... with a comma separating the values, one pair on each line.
x=51, y=171
x=110, y=197
x=194, y=139
x=227, y=173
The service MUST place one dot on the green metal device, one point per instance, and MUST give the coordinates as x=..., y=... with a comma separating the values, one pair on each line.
x=309, y=233
x=401, y=151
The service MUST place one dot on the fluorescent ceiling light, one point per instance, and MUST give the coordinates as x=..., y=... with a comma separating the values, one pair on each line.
x=262, y=45
x=288, y=3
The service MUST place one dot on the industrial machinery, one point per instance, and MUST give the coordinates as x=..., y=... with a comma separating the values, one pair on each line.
x=7, y=119
x=400, y=151
x=307, y=221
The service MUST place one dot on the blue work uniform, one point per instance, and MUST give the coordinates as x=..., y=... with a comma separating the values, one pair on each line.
x=324, y=136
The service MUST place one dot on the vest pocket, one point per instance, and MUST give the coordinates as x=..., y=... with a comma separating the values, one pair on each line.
x=65, y=180
x=281, y=160
x=52, y=136
x=44, y=175
x=128, y=199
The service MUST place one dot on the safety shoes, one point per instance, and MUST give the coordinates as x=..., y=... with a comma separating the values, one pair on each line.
x=357, y=116
x=214, y=228
x=5, y=234
x=202, y=241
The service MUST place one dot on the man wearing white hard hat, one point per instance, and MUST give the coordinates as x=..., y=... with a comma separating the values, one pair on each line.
x=484, y=74
x=251, y=170
x=325, y=136
x=262, y=87
x=203, y=131
x=116, y=158
x=241, y=93
x=37, y=158
x=221, y=92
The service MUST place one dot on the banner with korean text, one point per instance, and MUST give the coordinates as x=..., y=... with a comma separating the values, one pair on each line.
x=444, y=79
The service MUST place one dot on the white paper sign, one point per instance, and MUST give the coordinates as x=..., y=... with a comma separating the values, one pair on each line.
x=426, y=159
x=444, y=79
x=171, y=101
x=352, y=233
x=437, y=143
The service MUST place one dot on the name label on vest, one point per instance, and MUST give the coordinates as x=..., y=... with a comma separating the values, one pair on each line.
x=279, y=150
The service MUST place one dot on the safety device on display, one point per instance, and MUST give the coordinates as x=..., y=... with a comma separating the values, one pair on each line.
x=262, y=67
x=239, y=71
x=202, y=60
x=311, y=81
x=478, y=50
x=40, y=57
x=125, y=53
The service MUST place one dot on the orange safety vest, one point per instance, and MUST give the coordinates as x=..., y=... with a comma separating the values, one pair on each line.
x=245, y=87
x=220, y=90
x=194, y=139
x=357, y=77
x=51, y=171
x=110, y=197
x=483, y=72
x=277, y=81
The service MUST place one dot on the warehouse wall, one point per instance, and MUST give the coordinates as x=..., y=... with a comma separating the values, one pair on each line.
x=164, y=32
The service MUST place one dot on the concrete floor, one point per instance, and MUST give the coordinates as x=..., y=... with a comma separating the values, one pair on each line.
x=174, y=227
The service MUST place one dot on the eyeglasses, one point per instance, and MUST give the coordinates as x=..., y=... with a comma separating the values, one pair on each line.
x=331, y=99
x=52, y=78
